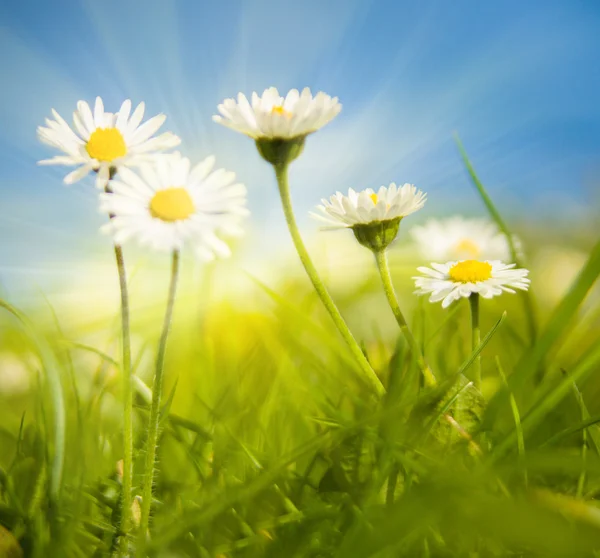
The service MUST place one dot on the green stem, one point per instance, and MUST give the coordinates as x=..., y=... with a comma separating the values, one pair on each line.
x=153, y=423
x=284, y=191
x=126, y=498
x=475, y=337
x=390, y=293
x=126, y=490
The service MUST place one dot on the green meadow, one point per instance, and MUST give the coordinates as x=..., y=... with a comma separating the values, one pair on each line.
x=273, y=443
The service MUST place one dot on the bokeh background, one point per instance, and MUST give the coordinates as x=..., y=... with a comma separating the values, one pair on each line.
x=252, y=353
x=519, y=81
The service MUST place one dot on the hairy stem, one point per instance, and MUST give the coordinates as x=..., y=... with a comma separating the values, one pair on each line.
x=126, y=490
x=475, y=337
x=390, y=293
x=153, y=423
x=284, y=191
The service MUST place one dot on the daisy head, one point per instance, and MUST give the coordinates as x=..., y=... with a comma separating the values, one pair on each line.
x=373, y=216
x=278, y=124
x=460, y=279
x=458, y=238
x=170, y=204
x=102, y=141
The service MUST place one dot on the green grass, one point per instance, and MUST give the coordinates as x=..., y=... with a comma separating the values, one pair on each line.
x=273, y=443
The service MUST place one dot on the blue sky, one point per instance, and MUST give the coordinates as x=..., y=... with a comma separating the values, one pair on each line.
x=519, y=81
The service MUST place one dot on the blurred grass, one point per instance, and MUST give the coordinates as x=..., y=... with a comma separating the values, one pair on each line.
x=275, y=447
x=272, y=445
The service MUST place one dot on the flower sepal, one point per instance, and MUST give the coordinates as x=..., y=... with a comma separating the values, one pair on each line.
x=377, y=235
x=280, y=151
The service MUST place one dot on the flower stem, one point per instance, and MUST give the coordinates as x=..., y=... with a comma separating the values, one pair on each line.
x=126, y=490
x=390, y=293
x=153, y=423
x=284, y=191
x=475, y=337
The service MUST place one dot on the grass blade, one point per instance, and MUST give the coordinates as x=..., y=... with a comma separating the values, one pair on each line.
x=514, y=253
x=561, y=318
x=549, y=401
x=517, y=418
x=488, y=336
x=571, y=430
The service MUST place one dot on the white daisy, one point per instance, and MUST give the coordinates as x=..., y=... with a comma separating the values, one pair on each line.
x=170, y=204
x=103, y=141
x=367, y=207
x=453, y=280
x=272, y=116
x=457, y=238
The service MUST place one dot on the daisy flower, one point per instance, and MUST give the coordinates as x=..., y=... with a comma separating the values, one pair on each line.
x=458, y=238
x=374, y=217
x=367, y=207
x=273, y=116
x=170, y=204
x=102, y=141
x=459, y=279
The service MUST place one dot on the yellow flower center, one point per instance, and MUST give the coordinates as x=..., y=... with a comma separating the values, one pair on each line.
x=375, y=199
x=172, y=204
x=470, y=271
x=106, y=144
x=280, y=110
x=467, y=246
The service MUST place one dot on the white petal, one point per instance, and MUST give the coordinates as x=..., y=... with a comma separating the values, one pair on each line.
x=77, y=174
x=201, y=170
x=59, y=160
x=79, y=125
x=123, y=115
x=136, y=118
x=99, y=113
x=102, y=177
x=159, y=143
x=148, y=129
x=86, y=116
